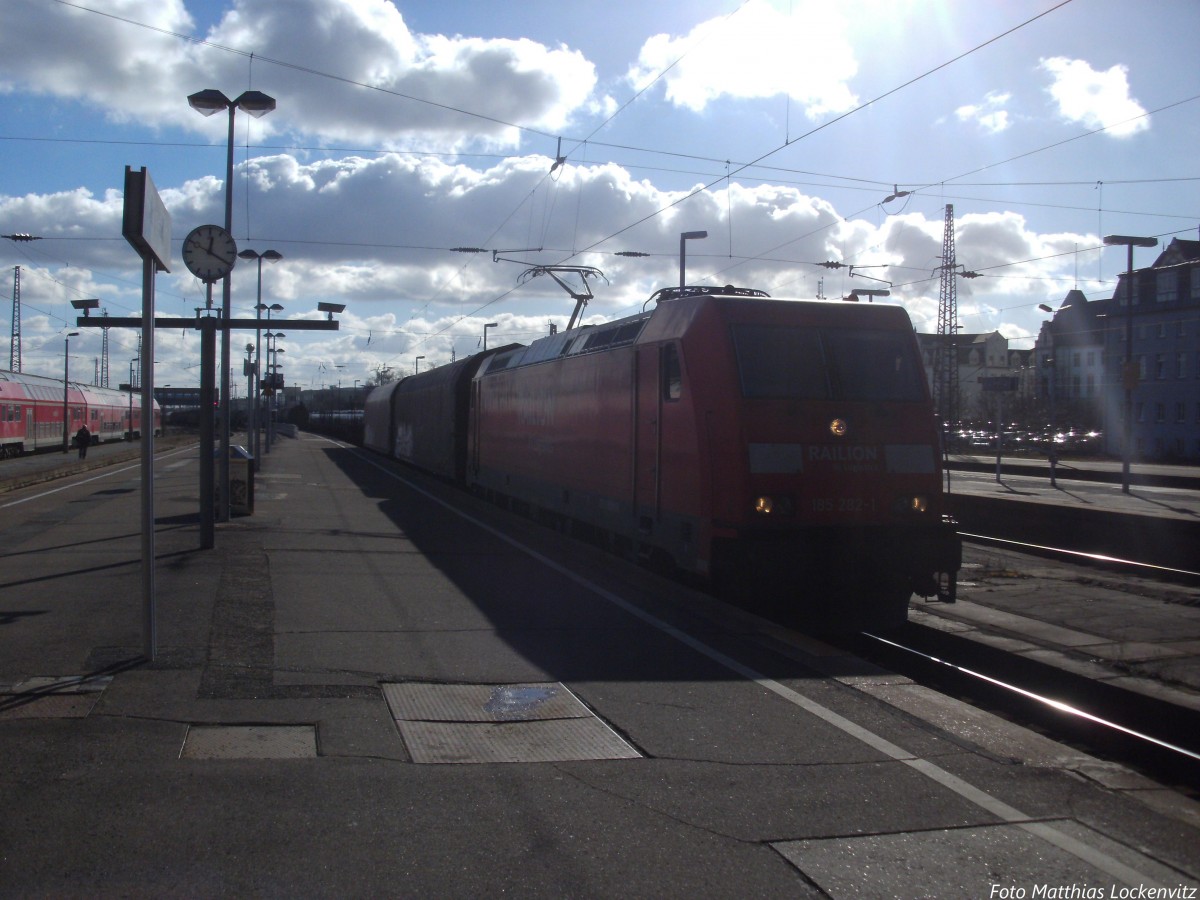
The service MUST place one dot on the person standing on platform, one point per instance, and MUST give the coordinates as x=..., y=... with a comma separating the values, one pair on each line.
x=83, y=438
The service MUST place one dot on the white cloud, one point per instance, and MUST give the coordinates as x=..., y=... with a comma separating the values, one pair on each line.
x=756, y=52
x=990, y=114
x=1095, y=99
x=143, y=74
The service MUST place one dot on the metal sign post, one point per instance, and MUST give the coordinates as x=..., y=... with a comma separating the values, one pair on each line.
x=999, y=384
x=146, y=224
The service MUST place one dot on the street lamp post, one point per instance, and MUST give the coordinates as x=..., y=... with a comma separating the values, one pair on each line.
x=132, y=385
x=416, y=364
x=278, y=396
x=256, y=104
x=256, y=396
x=683, y=239
x=258, y=309
x=1129, y=372
x=485, y=328
x=273, y=351
x=1050, y=362
x=66, y=382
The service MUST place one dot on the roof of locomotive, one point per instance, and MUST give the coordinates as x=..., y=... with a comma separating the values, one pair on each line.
x=674, y=312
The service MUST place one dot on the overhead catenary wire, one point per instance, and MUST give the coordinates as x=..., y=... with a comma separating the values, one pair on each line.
x=744, y=171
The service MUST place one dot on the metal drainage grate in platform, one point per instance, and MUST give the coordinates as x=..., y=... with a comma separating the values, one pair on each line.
x=486, y=723
x=250, y=742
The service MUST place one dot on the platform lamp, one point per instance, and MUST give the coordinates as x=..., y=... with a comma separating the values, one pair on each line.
x=258, y=311
x=273, y=351
x=66, y=382
x=485, y=328
x=209, y=102
x=416, y=364
x=255, y=398
x=86, y=305
x=132, y=384
x=330, y=308
x=1129, y=372
x=1050, y=363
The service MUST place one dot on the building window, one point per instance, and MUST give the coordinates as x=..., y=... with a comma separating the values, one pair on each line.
x=1160, y=366
x=1090, y=389
x=1075, y=359
x=1091, y=358
x=1166, y=285
x=1196, y=282
x=1181, y=364
x=1160, y=412
x=1180, y=411
x=1141, y=364
x=1139, y=412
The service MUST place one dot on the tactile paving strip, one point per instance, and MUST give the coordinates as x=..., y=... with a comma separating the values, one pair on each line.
x=250, y=742
x=484, y=723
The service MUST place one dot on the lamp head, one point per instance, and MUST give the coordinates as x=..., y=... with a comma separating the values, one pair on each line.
x=208, y=102
x=1124, y=240
x=255, y=103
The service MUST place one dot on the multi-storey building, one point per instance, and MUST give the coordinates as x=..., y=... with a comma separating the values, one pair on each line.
x=979, y=356
x=1081, y=352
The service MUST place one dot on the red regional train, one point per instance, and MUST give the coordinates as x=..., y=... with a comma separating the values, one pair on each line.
x=785, y=449
x=31, y=413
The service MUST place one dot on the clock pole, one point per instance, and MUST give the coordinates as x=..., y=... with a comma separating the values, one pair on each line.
x=210, y=252
x=208, y=342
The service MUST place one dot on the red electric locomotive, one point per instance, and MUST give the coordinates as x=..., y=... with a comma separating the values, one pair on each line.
x=786, y=449
x=31, y=413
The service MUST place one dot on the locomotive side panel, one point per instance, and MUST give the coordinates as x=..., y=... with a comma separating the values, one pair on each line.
x=557, y=435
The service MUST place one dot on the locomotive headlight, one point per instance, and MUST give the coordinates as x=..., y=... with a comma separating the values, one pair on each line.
x=777, y=506
x=913, y=503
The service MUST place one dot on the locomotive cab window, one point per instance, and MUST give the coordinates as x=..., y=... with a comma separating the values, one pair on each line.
x=827, y=364
x=672, y=373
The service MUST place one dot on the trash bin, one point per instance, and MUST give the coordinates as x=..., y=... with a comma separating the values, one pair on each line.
x=241, y=480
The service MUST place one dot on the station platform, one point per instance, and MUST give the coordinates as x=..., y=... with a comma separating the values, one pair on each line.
x=346, y=700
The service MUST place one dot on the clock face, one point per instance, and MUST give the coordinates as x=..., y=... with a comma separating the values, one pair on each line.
x=209, y=252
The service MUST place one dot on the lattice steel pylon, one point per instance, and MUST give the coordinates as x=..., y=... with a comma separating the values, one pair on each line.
x=945, y=361
x=104, y=354
x=14, y=351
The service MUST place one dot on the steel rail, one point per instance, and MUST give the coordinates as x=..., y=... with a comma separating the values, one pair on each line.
x=1149, y=568
x=1048, y=702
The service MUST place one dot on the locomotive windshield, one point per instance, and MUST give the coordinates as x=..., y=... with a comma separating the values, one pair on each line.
x=806, y=363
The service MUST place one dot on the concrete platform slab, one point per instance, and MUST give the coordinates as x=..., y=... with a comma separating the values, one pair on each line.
x=990, y=861
x=249, y=742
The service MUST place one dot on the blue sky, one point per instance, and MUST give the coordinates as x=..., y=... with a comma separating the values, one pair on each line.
x=406, y=129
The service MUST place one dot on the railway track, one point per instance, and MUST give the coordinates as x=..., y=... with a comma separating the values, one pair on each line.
x=1149, y=734
x=1098, y=560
